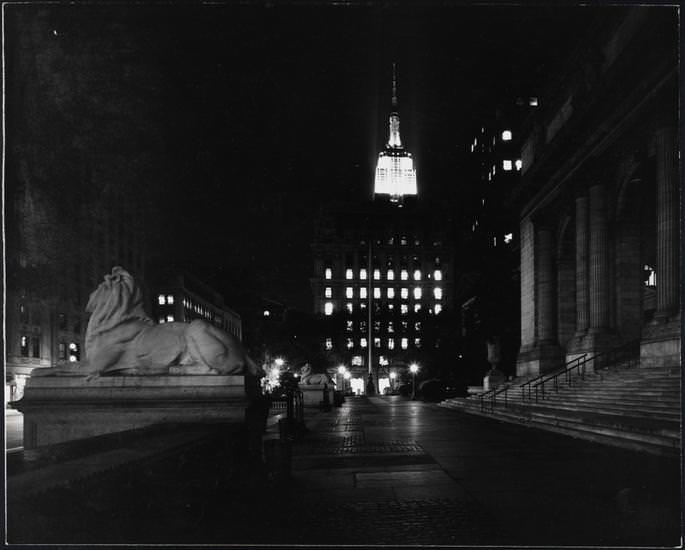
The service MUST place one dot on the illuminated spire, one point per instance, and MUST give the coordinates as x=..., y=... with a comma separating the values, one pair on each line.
x=394, y=87
x=394, y=140
x=395, y=172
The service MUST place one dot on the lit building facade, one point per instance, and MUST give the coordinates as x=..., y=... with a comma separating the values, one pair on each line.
x=179, y=296
x=383, y=276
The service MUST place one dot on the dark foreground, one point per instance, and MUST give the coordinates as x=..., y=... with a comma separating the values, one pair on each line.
x=376, y=471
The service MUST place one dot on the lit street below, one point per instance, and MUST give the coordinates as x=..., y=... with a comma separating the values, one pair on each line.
x=380, y=471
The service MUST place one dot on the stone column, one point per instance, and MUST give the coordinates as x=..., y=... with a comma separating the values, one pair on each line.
x=582, y=312
x=546, y=318
x=598, y=261
x=666, y=225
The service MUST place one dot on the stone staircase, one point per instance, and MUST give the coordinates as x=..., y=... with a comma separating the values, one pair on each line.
x=636, y=408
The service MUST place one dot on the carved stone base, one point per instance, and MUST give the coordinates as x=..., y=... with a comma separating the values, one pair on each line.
x=660, y=346
x=58, y=409
x=539, y=359
x=590, y=344
x=312, y=395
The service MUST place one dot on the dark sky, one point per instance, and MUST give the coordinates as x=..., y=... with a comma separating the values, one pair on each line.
x=243, y=120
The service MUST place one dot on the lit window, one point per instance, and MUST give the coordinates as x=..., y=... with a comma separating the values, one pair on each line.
x=403, y=240
x=417, y=308
x=417, y=326
x=170, y=300
x=329, y=343
x=362, y=292
x=328, y=292
x=494, y=169
x=161, y=300
x=357, y=360
x=391, y=306
x=417, y=274
x=161, y=320
x=362, y=305
x=391, y=343
x=391, y=293
x=390, y=327
x=348, y=274
x=506, y=135
x=417, y=342
x=404, y=308
x=376, y=292
x=362, y=342
x=437, y=293
x=508, y=238
x=417, y=293
x=376, y=342
x=349, y=307
x=404, y=275
x=350, y=343
x=349, y=292
x=391, y=275
x=377, y=274
x=437, y=275
x=506, y=164
x=377, y=326
x=24, y=342
x=533, y=102
x=266, y=313
x=404, y=293
x=328, y=308
x=362, y=274
x=518, y=164
x=349, y=326
x=169, y=318
x=404, y=343
x=437, y=309
x=329, y=273
x=494, y=241
x=383, y=360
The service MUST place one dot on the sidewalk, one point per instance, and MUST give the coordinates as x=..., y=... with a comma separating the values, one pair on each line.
x=376, y=471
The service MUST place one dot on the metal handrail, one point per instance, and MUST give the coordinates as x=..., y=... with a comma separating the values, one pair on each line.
x=492, y=394
x=565, y=369
x=607, y=358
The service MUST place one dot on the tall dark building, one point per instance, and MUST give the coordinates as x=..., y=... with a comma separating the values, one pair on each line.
x=383, y=272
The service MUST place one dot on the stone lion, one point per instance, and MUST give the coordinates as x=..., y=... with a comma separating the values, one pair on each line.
x=309, y=379
x=122, y=339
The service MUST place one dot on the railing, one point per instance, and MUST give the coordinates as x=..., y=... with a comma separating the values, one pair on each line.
x=492, y=396
x=577, y=363
x=626, y=352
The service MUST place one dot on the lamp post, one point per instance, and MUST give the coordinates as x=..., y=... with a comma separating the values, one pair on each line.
x=341, y=376
x=413, y=368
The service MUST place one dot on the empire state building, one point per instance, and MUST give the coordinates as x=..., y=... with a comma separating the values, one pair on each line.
x=395, y=172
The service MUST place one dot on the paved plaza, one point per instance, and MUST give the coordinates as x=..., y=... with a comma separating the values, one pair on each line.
x=376, y=471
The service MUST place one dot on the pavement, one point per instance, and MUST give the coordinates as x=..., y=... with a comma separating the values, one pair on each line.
x=377, y=471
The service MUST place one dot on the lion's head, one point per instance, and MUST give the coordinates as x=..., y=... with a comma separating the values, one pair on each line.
x=118, y=299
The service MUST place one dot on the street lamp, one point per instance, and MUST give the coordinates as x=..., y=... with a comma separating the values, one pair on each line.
x=413, y=368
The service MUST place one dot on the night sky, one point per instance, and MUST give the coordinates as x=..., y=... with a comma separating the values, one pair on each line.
x=236, y=123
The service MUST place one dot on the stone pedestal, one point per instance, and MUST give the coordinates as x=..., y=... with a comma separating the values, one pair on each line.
x=493, y=378
x=59, y=409
x=312, y=395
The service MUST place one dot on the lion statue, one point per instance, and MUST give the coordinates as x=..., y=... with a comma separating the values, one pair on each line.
x=309, y=379
x=122, y=339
